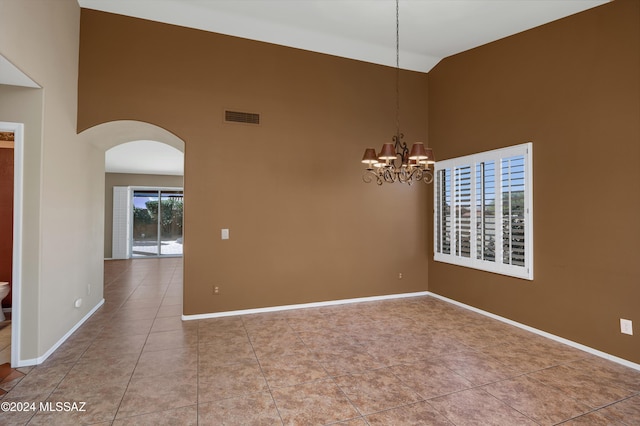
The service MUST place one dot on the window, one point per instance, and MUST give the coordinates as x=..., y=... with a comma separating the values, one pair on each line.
x=483, y=210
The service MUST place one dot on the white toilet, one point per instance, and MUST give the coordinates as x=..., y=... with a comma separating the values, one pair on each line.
x=4, y=290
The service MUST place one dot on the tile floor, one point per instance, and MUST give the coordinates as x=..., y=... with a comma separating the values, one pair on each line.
x=5, y=339
x=415, y=361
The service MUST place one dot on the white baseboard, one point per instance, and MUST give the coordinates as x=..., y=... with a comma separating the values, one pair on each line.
x=568, y=342
x=302, y=306
x=41, y=359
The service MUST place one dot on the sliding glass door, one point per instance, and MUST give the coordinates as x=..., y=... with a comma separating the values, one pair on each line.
x=171, y=203
x=157, y=222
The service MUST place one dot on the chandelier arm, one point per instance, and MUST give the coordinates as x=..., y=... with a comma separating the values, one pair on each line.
x=427, y=176
x=370, y=175
x=389, y=174
x=404, y=175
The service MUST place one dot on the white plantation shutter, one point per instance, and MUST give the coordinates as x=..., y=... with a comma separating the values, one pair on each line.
x=442, y=214
x=121, y=231
x=513, y=214
x=486, y=210
x=462, y=210
x=483, y=211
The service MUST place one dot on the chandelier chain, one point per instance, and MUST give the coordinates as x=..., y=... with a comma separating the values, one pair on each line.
x=398, y=68
x=395, y=162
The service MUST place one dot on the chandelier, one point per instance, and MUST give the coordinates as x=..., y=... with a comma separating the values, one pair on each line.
x=395, y=162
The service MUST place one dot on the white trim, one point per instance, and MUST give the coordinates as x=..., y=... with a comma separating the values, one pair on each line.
x=41, y=359
x=302, y=306
x=559, y=339
x=16, y=272
x=471, y=161
x=568, y=342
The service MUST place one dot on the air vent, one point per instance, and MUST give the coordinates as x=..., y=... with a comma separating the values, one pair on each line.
x=241, y=117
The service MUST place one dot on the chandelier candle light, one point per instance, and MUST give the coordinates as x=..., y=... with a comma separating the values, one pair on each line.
x=395, y=163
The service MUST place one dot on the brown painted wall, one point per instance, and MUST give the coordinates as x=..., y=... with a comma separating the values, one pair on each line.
x=571, y=87
x=303, y=225
x=128, y=179
x=6, y=218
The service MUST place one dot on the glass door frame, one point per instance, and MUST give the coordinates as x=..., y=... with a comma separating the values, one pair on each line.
x=159, y=190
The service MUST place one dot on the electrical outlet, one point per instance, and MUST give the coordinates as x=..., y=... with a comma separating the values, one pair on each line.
x=216, y=290
x=626, y=326
x=399, y=275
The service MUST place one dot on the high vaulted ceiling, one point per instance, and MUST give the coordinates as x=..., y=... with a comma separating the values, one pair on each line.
x=430, y=30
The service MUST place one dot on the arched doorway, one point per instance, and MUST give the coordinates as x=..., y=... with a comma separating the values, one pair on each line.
x=138, y=156
x=143, y=200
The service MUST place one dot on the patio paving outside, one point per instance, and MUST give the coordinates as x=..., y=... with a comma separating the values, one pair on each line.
x=150, y=248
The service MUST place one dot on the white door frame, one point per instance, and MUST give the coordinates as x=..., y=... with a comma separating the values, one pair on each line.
x=16, y=280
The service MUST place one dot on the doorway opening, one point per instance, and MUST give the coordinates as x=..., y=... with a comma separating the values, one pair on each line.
x=157, y=222
x=13, y=234
x=144, y=198
x=6, y=241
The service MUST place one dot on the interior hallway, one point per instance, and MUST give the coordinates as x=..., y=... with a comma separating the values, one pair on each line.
x=406, y=361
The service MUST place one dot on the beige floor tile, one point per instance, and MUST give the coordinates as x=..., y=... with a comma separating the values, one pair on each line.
x=15, y=417
x=292, y=370
x=254, y=409
x=158, y=393
x=85, y=375
x=359, y=421
x=627, y=411
x=351, y=359
x=157, y=363
x=169, y=311
x=420, y=413
x=40, y=381
x=229, y=380
x=183, y=416
x=406, y=361
x=320, y=402
x=108, y=344
x=616, y=374
x=209, y=334
x=593, y=419
x=544, y=404
x=583, y=386
x=171, y=339
x=376, y=390
x=429, y=379
x=226, y=351
x=476, y=367
x=171, y=324
x=477, y=407
x=96, y=402
x=266, y=346
x=119, y=327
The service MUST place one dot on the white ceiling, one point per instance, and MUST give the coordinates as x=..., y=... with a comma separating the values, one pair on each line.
x=430, y=30
x=144, y=157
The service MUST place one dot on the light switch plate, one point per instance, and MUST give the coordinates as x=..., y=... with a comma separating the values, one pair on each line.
x=626, y=326
x=224, y=234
